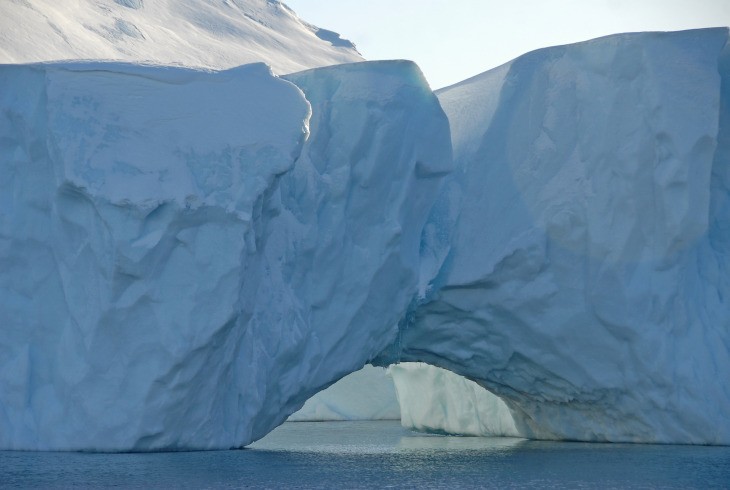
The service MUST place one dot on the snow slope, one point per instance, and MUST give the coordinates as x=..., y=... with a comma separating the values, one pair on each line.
x=200, y=33
x=587, y=272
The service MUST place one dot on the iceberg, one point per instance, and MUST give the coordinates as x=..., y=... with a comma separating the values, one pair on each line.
x=187, y=256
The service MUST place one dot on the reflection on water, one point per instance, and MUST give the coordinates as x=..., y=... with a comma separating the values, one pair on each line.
x=378, y=455
x=443, y=443
x=371, y=437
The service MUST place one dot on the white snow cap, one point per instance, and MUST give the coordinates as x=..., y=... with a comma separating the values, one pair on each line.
x=200, y=33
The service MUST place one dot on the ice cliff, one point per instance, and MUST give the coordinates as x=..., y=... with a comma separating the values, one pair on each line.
x=588, y=269
x=128, y=208
x=433, y=399
x=183, y=263
x=187, y=256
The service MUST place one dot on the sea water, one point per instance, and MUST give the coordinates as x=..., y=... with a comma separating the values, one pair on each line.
x=379, y=455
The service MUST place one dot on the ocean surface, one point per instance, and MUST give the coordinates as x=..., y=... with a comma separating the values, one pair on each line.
x=379, y=455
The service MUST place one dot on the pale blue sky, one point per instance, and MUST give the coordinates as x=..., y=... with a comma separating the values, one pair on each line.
x=454, y=39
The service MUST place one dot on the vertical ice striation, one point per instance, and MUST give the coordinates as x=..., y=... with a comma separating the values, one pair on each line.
x=339, y=253
x=436, y=400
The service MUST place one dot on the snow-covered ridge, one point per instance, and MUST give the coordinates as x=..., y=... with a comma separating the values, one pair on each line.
x=201, y=33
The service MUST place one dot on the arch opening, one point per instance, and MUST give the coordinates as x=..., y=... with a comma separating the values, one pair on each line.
x=423, y=397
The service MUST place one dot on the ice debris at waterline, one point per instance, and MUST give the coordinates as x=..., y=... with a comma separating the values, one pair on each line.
x=188, y=256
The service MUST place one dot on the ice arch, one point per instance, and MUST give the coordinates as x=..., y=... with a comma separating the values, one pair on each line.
x=188, y=256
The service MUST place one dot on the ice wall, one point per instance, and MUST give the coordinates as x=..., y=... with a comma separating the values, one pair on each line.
x=586, y=277
x=433, y=399
x=339, y=245
x=127, y=208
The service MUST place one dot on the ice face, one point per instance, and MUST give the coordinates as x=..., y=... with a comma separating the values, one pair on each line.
x=188, y=256
x=340, y=246
x=128, y=206
x=183, y=263
x=436, y=400
x=587, y=268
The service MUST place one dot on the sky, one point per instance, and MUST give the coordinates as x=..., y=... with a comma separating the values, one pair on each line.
x=452, y=40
